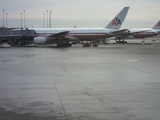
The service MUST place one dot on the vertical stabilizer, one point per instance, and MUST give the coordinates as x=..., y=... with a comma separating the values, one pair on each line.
x=118, y=19
x=157, y=25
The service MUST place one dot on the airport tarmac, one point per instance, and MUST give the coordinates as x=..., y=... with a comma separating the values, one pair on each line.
x=109, y=82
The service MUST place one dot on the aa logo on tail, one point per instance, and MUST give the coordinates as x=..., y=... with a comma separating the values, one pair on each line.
x=158, y=24
x=116, y=21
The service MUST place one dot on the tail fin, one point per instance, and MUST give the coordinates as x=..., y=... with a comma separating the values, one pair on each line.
x=157, y=25
x=118, y=20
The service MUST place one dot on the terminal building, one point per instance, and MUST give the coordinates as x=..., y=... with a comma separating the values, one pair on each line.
x=16, y=37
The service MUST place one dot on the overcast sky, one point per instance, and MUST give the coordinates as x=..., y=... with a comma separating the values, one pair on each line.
x=82, y=13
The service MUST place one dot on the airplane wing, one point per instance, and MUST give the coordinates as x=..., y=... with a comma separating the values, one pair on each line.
x=118, y=32
x=59, y=35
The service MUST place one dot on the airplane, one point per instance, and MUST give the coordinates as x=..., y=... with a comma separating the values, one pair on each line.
x=62, y=36
x=155, y=30
x=136, y=33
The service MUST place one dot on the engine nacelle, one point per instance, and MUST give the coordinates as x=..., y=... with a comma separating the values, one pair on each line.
x=72, y=38
x=130, y=37
x=110, y=38
x=40, y=40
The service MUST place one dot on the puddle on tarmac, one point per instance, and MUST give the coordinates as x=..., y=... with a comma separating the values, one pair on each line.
x=37, y=104
x=34, y=110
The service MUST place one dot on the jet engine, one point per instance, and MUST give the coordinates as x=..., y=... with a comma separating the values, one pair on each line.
x=39, y=40
x=130, y=37
x=111, y=38
x=72, y=38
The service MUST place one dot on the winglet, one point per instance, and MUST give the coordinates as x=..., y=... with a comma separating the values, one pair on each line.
x=118, y=19
x=157, y=25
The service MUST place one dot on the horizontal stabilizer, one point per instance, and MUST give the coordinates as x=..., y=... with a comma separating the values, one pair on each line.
x=118, y=32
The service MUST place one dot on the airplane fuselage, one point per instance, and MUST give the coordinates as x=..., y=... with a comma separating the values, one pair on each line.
x=81, y=34
x=148, y=32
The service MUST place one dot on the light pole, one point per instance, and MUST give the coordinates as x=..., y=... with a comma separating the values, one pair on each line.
x=50, y=19
x=43, y=20
x=6, y=19
x=3, y=18
x=24, y=18
x=47, y=18
x=21, y=20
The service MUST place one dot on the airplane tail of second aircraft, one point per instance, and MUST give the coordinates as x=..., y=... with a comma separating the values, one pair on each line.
x=157, y=25
x=118, y=19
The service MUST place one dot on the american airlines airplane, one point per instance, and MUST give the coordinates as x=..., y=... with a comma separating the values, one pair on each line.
x=62, y=36
x=155, y=30
x=136, y=33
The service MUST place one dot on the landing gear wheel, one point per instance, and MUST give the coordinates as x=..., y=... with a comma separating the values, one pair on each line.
x=95, y=45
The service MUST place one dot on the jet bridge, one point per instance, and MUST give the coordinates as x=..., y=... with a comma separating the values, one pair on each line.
x=16, y=36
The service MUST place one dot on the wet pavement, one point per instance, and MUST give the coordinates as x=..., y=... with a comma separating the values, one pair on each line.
x=109, y=82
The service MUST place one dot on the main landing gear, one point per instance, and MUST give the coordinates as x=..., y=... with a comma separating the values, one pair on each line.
x=88, y=44
x=64, y=45
x=121, y=41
